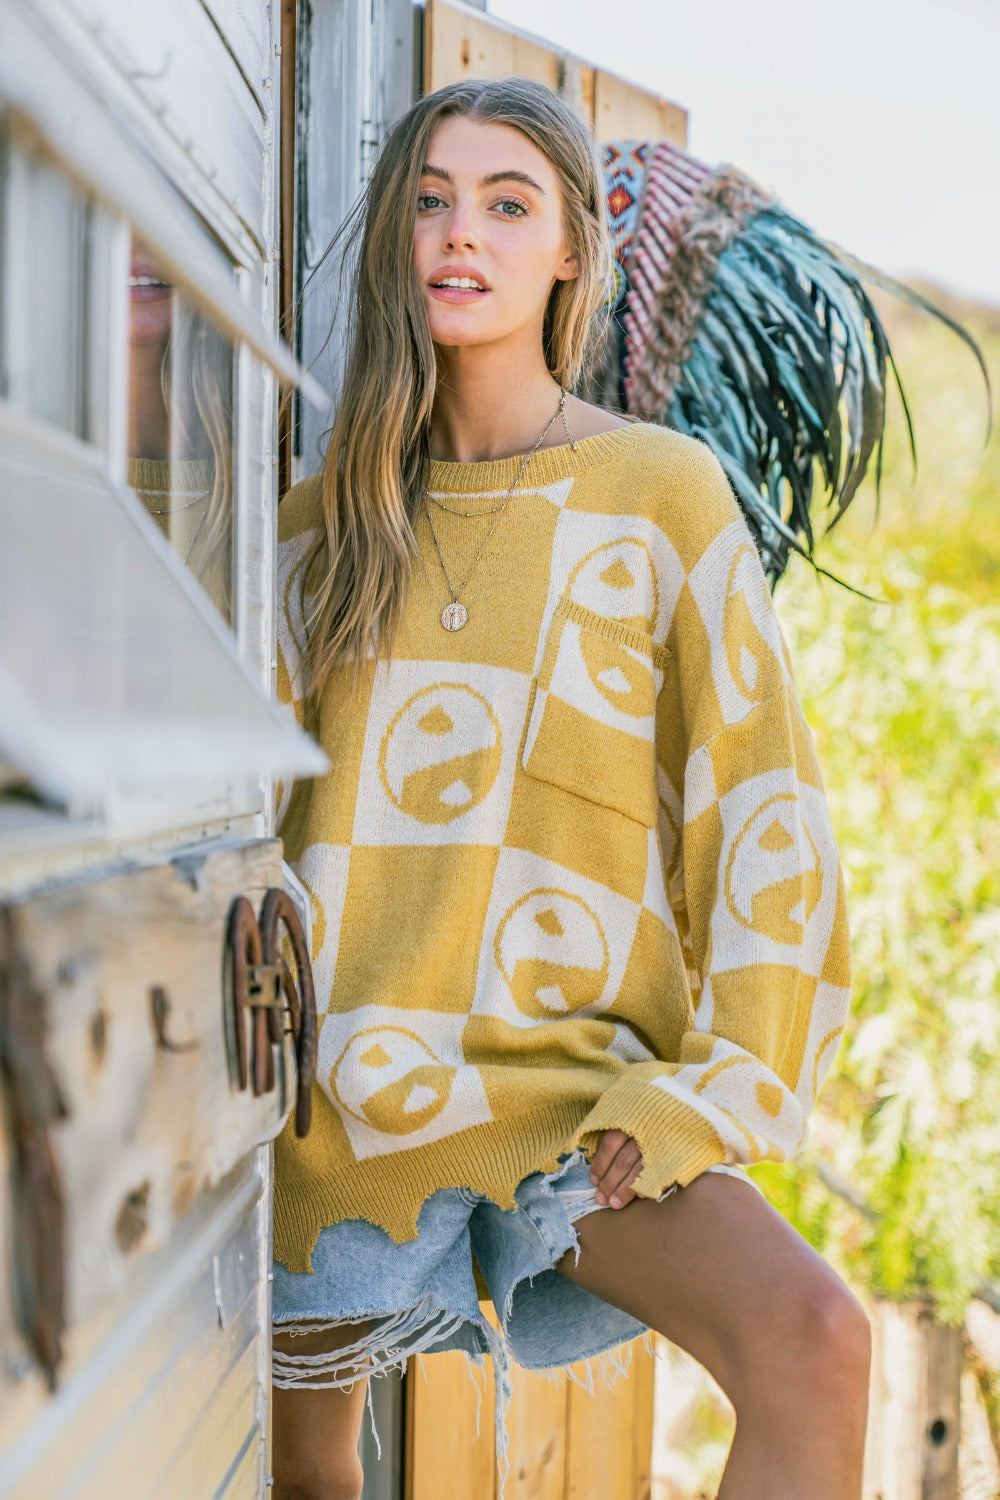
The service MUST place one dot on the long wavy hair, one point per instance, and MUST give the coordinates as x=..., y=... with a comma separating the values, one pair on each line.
x=377, y=459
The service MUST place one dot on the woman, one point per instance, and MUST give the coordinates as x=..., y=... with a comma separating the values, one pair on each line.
x=579, y=937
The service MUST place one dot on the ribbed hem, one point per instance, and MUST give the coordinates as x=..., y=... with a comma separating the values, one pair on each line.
x=544, y=467
x=677, y=1143
x=488, y=1159
x=178, y=477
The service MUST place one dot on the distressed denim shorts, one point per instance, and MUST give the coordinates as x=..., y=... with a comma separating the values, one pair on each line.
x=421, y=1296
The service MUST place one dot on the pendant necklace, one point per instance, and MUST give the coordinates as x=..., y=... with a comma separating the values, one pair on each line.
x=455, y=615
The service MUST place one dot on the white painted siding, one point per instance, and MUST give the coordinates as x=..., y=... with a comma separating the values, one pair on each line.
x=169, y=1402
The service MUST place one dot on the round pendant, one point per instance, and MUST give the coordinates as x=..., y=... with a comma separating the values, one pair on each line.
x=454, y=615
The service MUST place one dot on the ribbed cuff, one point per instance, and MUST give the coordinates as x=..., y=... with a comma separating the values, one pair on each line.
x=677, y=1143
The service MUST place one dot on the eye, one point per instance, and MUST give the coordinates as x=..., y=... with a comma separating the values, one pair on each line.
x=427, y=201
x=520, y=209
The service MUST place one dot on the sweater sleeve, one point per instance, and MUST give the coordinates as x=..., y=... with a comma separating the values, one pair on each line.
x=754, y=885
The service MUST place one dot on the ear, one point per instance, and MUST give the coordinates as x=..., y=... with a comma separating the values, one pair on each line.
x=568, y=268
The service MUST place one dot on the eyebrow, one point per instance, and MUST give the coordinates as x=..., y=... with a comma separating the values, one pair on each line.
x=494, y=177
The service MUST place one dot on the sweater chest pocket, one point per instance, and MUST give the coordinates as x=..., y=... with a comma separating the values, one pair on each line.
x=592, y=722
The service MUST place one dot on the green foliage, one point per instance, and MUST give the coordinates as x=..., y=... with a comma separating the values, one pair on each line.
x=903, y=697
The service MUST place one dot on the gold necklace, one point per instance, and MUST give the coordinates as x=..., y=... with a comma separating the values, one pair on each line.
x=455, y=615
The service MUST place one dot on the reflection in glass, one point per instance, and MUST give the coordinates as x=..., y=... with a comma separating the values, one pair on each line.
x=180, y=430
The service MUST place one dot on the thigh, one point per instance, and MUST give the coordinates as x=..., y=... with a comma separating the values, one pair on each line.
x=714, y=1268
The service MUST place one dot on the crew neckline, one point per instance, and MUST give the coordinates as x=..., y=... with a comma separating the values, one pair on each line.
x=450, y=477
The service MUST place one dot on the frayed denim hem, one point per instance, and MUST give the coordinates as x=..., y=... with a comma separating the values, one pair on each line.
x=387, y=1347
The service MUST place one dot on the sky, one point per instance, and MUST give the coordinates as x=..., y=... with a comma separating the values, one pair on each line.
x=875, y=121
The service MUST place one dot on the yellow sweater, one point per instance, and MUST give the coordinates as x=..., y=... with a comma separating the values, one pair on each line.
x=572, y=867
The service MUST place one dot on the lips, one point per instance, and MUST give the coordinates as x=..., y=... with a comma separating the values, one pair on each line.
x=458, y=273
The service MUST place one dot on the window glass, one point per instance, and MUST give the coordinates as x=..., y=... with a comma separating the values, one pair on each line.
x=49, y=339
x=180, y=424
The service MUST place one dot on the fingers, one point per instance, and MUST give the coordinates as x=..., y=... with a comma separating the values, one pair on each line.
x=617, y=1163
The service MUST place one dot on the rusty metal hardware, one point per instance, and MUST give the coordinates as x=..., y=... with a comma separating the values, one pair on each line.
x=34, y=1103
x=260, y=981
x=278, y=911
x=159, y=1002
x=245, y=956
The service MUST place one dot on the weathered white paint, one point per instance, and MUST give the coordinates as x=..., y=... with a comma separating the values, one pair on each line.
x=355, y=78
x=115, y=671
x=245, y=27
x=162, y=1395
x=164, y=1383
x=177, y=69
x=144, y=1126
x=61, y=103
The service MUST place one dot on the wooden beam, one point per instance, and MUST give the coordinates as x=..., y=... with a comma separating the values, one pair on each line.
x=913, y=1430
x=458, y=45
x=624, y=112
x=462, y=43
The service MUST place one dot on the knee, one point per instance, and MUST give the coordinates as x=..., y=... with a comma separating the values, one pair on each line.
x=817, y=1348
x=343, y=1482
x=840, y=1338
x=827, y=1341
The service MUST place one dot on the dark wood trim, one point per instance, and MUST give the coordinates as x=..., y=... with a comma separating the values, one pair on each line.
x=286, y=188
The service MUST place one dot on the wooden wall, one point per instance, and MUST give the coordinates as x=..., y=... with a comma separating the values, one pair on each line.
x=565, y=1444
x=460, y=42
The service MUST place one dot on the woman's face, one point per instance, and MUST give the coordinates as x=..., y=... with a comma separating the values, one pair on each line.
x=489, y=210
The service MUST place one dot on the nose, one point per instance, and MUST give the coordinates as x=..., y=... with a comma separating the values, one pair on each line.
x=460, y=229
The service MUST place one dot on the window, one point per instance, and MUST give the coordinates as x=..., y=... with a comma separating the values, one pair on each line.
x=181, y=400
x=129, y=367
x=52, y=335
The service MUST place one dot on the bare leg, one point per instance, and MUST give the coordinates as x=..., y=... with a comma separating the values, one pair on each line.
x=717, y=1271
x=316, y=1431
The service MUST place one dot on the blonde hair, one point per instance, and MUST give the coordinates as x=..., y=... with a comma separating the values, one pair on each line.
x=377, y=459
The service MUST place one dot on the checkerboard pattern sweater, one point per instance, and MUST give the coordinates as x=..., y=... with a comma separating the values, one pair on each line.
x=572, y=866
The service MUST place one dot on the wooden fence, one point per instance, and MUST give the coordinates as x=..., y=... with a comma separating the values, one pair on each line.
x=565, y=1444
x=463, y=43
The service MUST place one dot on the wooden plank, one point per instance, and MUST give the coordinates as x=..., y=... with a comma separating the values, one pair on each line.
x=457, y=45
x=245, y=25
x=537, y=1433
x=913, y=1441
x=172, y=63
x=534, y=60
x=622, y=111
x=577, y=87
x=565, y=1444
x=444, y=1455
x=643, y=1380
x=600, y=1447
x=146, y=1130
x=170, y=1367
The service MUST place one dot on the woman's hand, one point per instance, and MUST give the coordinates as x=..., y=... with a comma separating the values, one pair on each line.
x=617, y=1163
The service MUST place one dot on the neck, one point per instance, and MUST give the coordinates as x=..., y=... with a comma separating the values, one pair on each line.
x=483, y=412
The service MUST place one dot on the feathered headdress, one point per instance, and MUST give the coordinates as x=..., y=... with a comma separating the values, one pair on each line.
x=734, y=322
